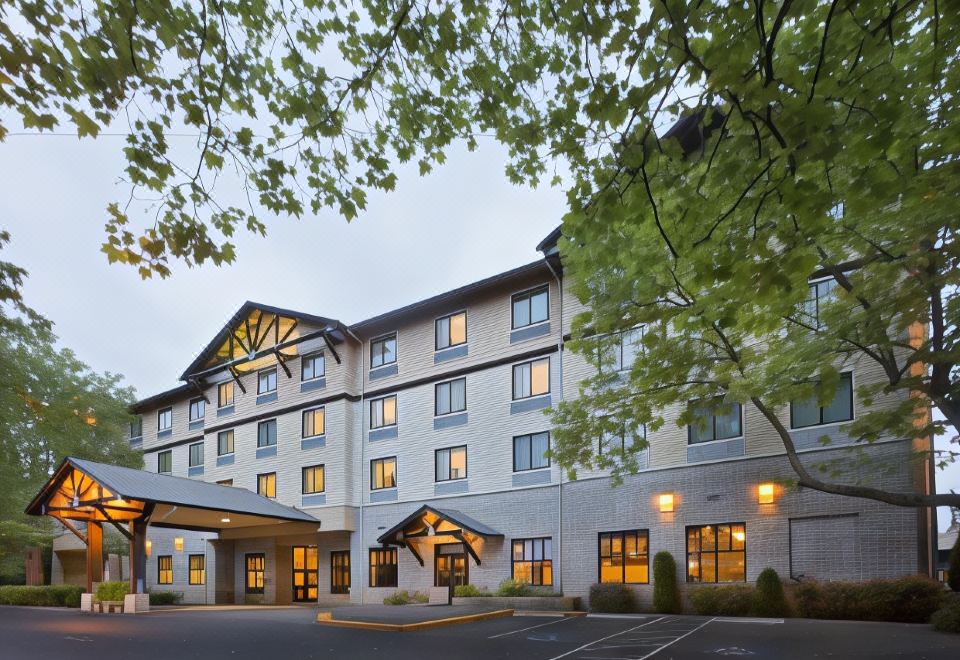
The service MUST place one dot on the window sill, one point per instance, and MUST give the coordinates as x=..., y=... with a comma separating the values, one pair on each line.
x=450, y=420
x=450, y=353
x=529, y=403
x=528, y=332
x=226, y=459
x=269, y=397
x=266, y=452
x=384, y=371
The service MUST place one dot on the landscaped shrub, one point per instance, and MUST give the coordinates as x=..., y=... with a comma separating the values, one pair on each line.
x=909, y=600
x=953, y=566
x=469, y=591
x=59, y=595
x=420, y=597
x=769, y=599
x=513, y=588
x=401, y=597
x=722, y=601
x=666, y=595
x=165, y=597
x=612, y=599
x=112, y=591
x=947, y=618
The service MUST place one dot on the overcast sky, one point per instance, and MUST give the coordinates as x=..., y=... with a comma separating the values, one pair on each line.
x=459, y=224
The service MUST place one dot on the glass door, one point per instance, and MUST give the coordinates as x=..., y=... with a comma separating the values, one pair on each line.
x=340, y=572
x=450, y=565
x=305, y=573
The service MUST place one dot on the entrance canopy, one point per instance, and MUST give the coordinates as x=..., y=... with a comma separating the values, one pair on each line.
x=432, y=525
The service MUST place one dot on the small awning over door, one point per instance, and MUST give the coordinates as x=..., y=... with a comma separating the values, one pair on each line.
x=429, y=524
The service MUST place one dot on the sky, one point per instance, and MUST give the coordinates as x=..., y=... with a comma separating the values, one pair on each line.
x=461, y=223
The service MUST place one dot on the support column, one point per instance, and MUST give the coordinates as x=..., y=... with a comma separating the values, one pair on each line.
x=94, y=554
x=138, y=556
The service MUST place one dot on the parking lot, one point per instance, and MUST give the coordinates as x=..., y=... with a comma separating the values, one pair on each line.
x=29, y=633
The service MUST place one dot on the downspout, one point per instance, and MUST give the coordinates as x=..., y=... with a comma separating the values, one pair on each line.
x=559, y=280
x=363, y=385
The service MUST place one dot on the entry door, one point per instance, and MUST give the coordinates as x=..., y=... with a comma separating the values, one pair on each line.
x=340, y=572
x=450, y=565
x=305, y=573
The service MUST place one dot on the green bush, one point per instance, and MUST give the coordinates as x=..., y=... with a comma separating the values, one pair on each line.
x=722, y=601
x=612, y=599
x=59, y=595
x=420, y=597
x=769, y=599
x=165, y=597
x=666, y=594
x=953, y=566
x=911, y=599
x=401, y=597
x=469, y=591
x=947, y=618
x=113, y=591
x=513, y=588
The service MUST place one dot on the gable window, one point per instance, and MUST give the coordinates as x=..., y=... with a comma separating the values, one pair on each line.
x=530, y=452
x=818, y=293
x=383, y=351
x=313, y=422
x=165, y=462
x=225, y=482
x=625, y=350
x=451, y=463
x=717, y=553
x=531, y=307
x=165, y=419
x=451, y=330
x=624, y=557
x=267, y=381
x=165, y=569
x=531, y=378
x=267, y=484
x=198, y=569
x=225, y=443
x=313, y=480
x=267, y=433
x=225, y=394
x=136, y=427
x=197, y=408
x=719, y=423
x=255, y=565
x=196, y=454
x=810, y=413
x=531, y=561
x=383, y=473
x=383, y=412
x=383, y=567
x=450, y=397
x=312, y=366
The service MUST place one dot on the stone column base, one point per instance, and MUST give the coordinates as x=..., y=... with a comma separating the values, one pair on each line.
x=86, y=602
x=134, y=603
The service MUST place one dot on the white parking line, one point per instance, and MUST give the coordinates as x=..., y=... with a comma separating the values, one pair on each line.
x=766, y=622
x=539, y=625
x=652, y=653
x=597, y=641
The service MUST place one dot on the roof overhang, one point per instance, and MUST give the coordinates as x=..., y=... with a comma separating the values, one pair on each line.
x=432, y=525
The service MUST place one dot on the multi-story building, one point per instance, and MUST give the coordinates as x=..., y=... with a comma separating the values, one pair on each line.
x=418, y=441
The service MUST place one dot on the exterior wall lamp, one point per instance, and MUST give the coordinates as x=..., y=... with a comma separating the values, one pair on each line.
x=178, y=543
x=765, y=493
x=666, y=502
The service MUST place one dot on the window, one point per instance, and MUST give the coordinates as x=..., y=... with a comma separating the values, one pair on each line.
x=450, y=397
x=165, y=569
x=530, y=452
x=624, y=557
x=451, y=463
x=313, y=480
x=197, y=408
x=623, y=442
x=267, y=484
x=531, y=378
x=225, y=482
x=383, y=412
x=531, y=307
x=383, y=567
x=719, y=423
x=625, y=349
x=383, y=351
x=225, y=443
x=312, y=366
x=255, y=570
x=136, y=427
x=383, y=473
x=532, y=561
x=165, y=462
x=198, y=569
x=165, y=419
x=817, y=294
x=225, y=395
x=451, y=330
x=717, y=553
x=810, y=413
x=267, y=381
x=267, y=433
x=313, y=422
x=196, y=454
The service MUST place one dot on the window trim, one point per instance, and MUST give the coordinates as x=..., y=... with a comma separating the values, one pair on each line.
x=202, y=569
x=623, y=553
x=303, y=479
x=466, y=331
x=466, y=472
x=513, y=449
x=247, y=589
x=690, y=442
x=436, y=399
x=531, y=561
x=513, y=378
x=529, y=293
x=167, y=452
x=312, y=356
x=396, y=412
x=267, y=474
x=203, y=403
x=263, y=422
x=160, y=415
x=221, y=404
x=136, y=423
x=303, y=425
x=160, y=569
x=190, y=447
x=396, y=349
x=276, y=377
x=395, y=563
x=844, y=374
x=716, y=551
x=234, y=443
x=813, y=283
x=373, y=473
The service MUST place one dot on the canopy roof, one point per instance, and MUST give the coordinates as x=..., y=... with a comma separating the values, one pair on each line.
x=429, y=522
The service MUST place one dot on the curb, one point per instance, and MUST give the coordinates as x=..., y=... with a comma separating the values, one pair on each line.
x=565, y=614
x=324, y=619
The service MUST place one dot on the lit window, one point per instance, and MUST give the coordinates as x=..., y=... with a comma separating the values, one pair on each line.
x=383, y=351
x=383, y=412
x=136, y=428
x=225, y=443
x=196, y=454
x=313, y=479
x=165, y=569
x=624, y=557
x=717, y=553
x=383, y=567
x=313, y=422
x=198, y=569
x=818, y=293
x=267, y=484
x=531, y=378
x=383, y=473
x=165, y=419
x=531, y=307
x=718, y=421
x=530, y=452
x=255, y=565
x=225, y=394
x=450, y=397
x=810, y=413
x=165, y=462
x=312, y=366
x=178, y=543
x=451, y=463
x=267, y=381
x=267, y=433
x=451, y=330
x=531, y=561
x=197, y=407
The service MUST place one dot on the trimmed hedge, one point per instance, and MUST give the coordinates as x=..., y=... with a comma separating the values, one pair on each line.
x=165, y=597
x=401, y=597
x=513, y=588
x=612, y=599
x=907, y=600
x=112, y=591
x=722, y=601
x=59, y=595
x=769, y=599
x=469, y=591
x=947, y=618
x=666, y=594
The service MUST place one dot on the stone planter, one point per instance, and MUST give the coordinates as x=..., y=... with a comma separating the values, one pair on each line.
x=134, y=603
x=540, y=603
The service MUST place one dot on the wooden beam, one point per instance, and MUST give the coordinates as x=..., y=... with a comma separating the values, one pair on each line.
x=76, y=532
x=326, y=340
x=415, y=552
x=467, y=546
x=94, y=554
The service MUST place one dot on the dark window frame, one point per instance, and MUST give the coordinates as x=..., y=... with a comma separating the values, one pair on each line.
x=396, y=411
x=532, y=561
x=622, y=534
x=168, y=409
x=221, y=399
x=203, y=409
x=846, y=375
x=266, y=372
x=513, y=379
x=384, y=572
x=513, y=447
x=715, y=552
x=713, y=418
x=265, y=424
x=303, y=422
x=247, y=571
x=436, y=397
x=233, y=441
x=267, y=474
x=436, y=331
x=529, y=295
x=313, y=357
x=160, y=455
x=202, y=570
x=436, y=455
x=373, y=472
x=396, y=349
x=136, y=427
x=190, y=448
x=161, y=559
x=339, y=569
x=303, y=479
x=814, y=286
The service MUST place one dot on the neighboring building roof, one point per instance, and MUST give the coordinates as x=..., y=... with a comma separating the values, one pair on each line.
x=947, y=539
x=167, y=396
x=549, y=244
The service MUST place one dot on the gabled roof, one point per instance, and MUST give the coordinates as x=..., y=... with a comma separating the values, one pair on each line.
x=456, y=518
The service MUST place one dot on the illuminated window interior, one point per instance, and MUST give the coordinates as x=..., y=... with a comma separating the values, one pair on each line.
x=255, y=567
x=451, y=463
x=198, y=569
x=383, y=567
x=225, y=394
x=178, y=544
x=313, y=479
x=531, y=561
x=313, y=422
x=451, y=330
x=267, y=484
x=383, y=412
x=624, y=557
x=305, y=573
x=383, y=473
x=165, y=569
x=531, y=379
x=716, y=553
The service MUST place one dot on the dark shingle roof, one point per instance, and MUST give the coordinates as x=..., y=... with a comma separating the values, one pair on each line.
x=456, y=517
